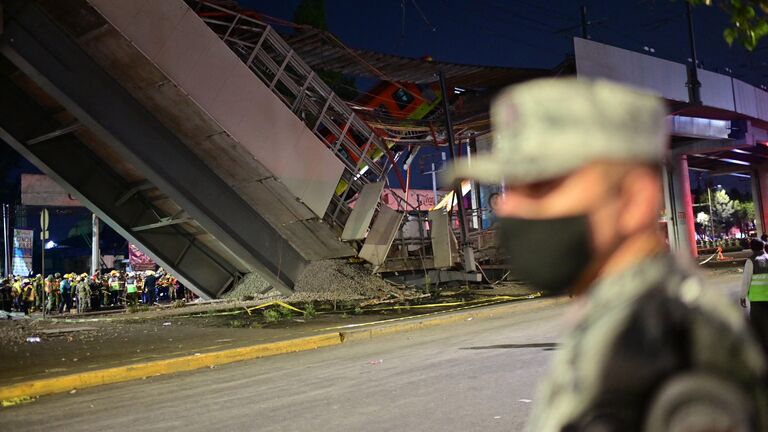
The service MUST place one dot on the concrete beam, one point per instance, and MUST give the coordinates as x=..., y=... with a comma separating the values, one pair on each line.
x=106, y=108
x=704, y=146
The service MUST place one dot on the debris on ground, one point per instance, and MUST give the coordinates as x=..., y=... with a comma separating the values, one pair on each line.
x=17, y=401
x=57, y=331
x=34, y=339
x=13, y=315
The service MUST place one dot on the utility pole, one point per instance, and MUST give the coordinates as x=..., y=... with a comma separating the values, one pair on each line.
x=6, y=269
x=43, y=237
x=693, y=83
x=711, y=215
x=469, y=254
x=584, y=23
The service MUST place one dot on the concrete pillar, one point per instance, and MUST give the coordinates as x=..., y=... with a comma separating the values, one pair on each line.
x=95, y=253
x=760, y=198
x=679, y=206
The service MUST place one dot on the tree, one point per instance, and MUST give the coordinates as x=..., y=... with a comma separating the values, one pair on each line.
x=702, y=219
x=745, y=215
x=703, y=222
x=749, y=19
x=723, y=209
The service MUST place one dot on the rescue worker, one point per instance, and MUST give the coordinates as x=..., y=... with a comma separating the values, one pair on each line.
x=755, y=289
x=27, y=296
x=16, y=293
x=150, y=288
x=648, y=347
x=114, y=288
x=96, y=286
x=6, y=296
x=65, y=287
x=38, y=287
x=131, y=289
x=51, y=291
x=83, y=294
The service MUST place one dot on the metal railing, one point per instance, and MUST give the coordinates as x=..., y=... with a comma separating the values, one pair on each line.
x=267, y=54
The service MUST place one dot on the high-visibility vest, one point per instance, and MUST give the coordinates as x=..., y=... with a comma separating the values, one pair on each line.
x=758, y=288
x=131, y=287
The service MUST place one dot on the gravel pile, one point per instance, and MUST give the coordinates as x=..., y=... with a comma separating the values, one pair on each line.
x=252, y=285
x=339, y=280
x=331, y=280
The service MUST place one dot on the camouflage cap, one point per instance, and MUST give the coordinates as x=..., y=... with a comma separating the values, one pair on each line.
x=546, y=128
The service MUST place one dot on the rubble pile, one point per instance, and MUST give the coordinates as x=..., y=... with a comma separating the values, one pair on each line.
x=339, y=280
x=252, y=285
x=329, y=280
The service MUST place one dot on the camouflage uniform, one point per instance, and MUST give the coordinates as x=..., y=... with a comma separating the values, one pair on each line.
x=633, y=331
x=38, y=284
x=83, y=296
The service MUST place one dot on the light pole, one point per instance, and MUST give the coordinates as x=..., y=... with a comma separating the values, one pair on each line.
x=711, y=215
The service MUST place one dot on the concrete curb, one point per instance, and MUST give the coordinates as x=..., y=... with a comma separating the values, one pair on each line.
x=118, y=374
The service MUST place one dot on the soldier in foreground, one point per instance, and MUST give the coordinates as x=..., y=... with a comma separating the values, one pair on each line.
x=754, y=286
x=648, y=347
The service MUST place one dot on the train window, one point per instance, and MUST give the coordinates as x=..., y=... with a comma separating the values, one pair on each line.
x=382, y=110
x=427, y=93
x=402, y=98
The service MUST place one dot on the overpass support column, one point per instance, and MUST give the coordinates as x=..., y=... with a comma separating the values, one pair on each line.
x=679, y=206
x=760, y=198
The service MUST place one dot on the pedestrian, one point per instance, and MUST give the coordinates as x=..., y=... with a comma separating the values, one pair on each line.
x=648, y=347
x=754, y=287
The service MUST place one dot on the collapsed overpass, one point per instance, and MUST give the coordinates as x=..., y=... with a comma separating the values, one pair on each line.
x=217, y=154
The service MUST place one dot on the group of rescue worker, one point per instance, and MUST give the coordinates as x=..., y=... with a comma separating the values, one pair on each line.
x=70, y=292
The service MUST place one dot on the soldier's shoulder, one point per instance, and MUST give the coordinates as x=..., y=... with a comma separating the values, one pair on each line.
x=707, y=302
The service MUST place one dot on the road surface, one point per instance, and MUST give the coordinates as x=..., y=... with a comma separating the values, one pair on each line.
x=474, y=375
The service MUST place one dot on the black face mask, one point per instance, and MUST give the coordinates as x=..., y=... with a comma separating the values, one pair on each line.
x=550, y=254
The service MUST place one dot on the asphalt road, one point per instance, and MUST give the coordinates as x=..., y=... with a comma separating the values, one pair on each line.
x=474, y=375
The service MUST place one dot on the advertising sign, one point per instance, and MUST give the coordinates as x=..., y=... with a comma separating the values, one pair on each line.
x=22, y=252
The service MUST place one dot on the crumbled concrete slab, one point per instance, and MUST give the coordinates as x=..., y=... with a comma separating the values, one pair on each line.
x=329, y=280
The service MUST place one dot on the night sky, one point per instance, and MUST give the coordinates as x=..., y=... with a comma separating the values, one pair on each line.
x=529, y=33
x=514, y=33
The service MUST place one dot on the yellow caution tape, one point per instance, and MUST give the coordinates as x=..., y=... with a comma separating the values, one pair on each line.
x=461, y=303
x=276, y=302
